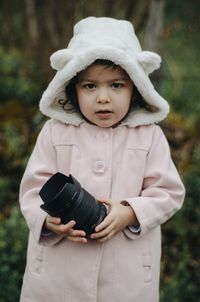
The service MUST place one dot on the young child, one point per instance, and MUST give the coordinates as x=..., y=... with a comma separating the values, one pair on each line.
x=103, y=131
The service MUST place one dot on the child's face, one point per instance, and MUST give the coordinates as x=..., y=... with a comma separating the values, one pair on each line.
x=104, y=94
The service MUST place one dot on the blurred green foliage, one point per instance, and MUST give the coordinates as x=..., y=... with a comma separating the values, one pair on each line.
x=24, y=75
x=17, y=78
x=180, y=265
x=181, y=51
x=13, y=243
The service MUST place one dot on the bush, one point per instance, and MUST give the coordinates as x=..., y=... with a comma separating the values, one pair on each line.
x=180, y=262
x=13, y=245
x=18, y=79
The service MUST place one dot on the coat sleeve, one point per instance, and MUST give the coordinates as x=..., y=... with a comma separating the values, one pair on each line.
x=42, y=165
x=163, y=191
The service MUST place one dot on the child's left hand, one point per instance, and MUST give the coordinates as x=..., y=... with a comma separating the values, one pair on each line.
x=118, y=218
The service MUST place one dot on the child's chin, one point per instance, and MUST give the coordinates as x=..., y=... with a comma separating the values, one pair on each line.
x=105, y=124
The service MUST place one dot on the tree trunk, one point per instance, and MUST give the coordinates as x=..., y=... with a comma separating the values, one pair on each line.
x=153, y=34
x=154, y=28
x=32, y=24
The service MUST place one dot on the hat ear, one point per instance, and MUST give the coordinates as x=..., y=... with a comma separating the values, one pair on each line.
x=149, y=61
x=59, y=58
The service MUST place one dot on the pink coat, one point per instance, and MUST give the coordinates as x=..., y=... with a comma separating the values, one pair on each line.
x=123, y=163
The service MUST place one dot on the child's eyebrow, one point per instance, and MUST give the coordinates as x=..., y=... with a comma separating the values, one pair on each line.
x=85, y=80
x=93, y=80
x=119, y=79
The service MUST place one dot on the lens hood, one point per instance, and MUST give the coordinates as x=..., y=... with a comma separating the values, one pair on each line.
x=64, y=197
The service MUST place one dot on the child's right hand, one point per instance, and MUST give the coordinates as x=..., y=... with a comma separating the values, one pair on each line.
x=54, y=224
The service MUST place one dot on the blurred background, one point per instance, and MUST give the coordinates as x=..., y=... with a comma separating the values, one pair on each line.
x=31, y=30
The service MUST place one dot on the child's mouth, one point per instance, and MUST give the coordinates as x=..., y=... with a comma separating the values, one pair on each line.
x=103, y=113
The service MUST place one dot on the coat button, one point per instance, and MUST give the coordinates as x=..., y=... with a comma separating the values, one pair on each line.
x=99, y=166
x=102, y=135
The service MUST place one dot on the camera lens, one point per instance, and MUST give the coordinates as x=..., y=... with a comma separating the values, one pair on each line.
x=64, y=197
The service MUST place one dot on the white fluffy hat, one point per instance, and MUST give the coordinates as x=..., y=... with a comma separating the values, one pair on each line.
x=114, y=40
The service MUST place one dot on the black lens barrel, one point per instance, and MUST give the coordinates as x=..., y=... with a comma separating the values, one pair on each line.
x=64, y=197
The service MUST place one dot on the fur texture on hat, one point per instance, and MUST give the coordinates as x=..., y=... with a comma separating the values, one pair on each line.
x=114, y=40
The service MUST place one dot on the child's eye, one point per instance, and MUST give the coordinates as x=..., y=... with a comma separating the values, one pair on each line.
x=117, y=85
x=89, y=86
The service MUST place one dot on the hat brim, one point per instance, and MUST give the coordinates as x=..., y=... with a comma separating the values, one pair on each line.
x=130, y=62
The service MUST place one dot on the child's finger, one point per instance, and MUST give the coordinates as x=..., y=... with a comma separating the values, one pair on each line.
x=107, y=237
x=105, y=223
x=54, y=220
x=106, y=233
x=77, y=239
x=61, y=229
x=64, y=228
x=77, y=233
x=103, y=200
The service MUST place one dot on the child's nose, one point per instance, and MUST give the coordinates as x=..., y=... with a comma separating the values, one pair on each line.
x=103, y=96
